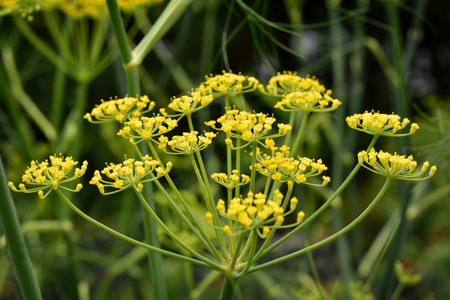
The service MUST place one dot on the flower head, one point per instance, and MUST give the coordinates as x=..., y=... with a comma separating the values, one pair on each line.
x=394, y=166
x=248, y=126
x=283, y=168
x=311, y=101
x=119, y=109
x=129, y=173
x=188, y=104
x=146, y=128
x=231, y=181
x=227, y=84
x=256, y=211
x=188, y=143
x=380, y=124
x=50, y=176
x=288, y=82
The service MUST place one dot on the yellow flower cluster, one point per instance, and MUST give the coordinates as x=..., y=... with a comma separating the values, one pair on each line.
x=73, y=8
x=248, y=126
x=188, y=143
x=256, y=211
x=145, y=128
x=228, y=84
x=119, y=109
x=129, y=173
x=393, y=166
x=311, y=101
x=380, y=124
x=283, y=168
x=231, y=181
x=189, y=104
x=288, y=82
x=50, y=175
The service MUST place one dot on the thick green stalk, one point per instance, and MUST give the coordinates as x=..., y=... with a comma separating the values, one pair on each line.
x=227, y=291
x=132, y=74
x=15, y=242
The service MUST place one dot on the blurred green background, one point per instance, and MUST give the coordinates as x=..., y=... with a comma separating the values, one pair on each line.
x=387, y=56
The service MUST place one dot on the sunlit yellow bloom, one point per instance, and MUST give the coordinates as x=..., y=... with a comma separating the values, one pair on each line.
x=288, y=82
x=311, y=101
x=227, y=84
x=119, y=109
x=189, y=104
x=129, y=173
x=188, y=143
x=50, y=176
x=394, y=166
x=73, y=8
x=283, y=168
x=248, y=126
x=255, y=211
x=146, y=128
x=231, y=181
x=405, y=275
x=380, y=124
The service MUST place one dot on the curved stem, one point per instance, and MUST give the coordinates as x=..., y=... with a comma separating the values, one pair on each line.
x=332, y=237
x=321, y=209
x=127, y=238
x=169, y=232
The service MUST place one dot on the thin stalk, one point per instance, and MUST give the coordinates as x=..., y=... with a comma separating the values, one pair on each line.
x=43, y=48
x=204, y=284
x=332, y=237
x=300, y=133
x=17, y=248
x=127, y=238
x=23, y=98
x=19, y=122
x=320, y=210
x=168, y=231
x=201, y=235
x=338, y=67
x=315, y=273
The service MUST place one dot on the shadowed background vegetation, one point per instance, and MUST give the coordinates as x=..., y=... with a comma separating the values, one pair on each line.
x=387, y=56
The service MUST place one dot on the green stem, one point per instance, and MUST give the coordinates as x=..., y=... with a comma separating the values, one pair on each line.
x=168, y=231
x=127, y=238
x=173, y=11
x=320, y=210
x=132, y=73
x=227, y=291
x=332, y=237
x=16, y=244
x=300, y=134
x=156, y=268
